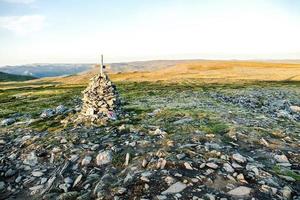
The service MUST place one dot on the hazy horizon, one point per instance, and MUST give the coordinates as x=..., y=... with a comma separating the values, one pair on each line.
x=44, y=31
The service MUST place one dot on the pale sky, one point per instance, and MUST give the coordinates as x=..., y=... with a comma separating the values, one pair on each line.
x=77, y=31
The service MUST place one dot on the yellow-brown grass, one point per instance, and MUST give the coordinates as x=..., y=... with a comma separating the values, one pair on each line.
x=206, y=71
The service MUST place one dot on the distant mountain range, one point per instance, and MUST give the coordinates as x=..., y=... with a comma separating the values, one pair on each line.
x=4, y=77
x=46, y=70
x=52, y=70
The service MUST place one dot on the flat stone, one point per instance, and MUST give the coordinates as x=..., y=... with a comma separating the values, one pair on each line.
x=2, y=186
x=37, y=173
x=180, y=156
x=10, y=172
x=2, y=142
x=161, y=197
x=281, y=158
x=240, y=191
x=175, y=188
x=228, y=168
x=295, y=108
x=95, y=147
x=36, y=189
x=77, y=180
x=86, y=160
x=286, y=192
x=63, y=141
x=188, y=166
x=18, y=179
x=68, y=180
x=103, y=158
x=43, y=180
x=252, y=168
x=239, y=158
x=212, y=165
x=8, y=121
x=236, y=166
x=31, y=159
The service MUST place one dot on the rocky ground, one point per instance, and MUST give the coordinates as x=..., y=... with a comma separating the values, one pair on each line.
x=173, y=141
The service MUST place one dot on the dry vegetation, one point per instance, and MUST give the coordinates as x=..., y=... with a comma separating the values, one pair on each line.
x=206, y=71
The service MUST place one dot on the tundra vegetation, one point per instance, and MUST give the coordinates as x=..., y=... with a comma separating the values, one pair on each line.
x=188, y=139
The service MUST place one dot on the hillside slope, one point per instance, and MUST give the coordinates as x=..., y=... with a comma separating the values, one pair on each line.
x=207, y=71
x=5, y=77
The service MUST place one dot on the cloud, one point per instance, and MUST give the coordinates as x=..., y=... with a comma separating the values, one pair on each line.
x=19, y=1
x=22, y=25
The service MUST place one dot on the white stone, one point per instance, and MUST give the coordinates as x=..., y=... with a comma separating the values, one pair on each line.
x=212, y=165
x=295, y=108
x=104, y=158
x=188, y=166
x=175, y=188
x=239, y=158
x=77, y=180
x=31, y=159
x=37, y=173
x=240, y=191
x=281, y=158
x=127, y=158
x=86, y=160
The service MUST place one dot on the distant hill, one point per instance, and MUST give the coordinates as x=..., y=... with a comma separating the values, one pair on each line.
x=12, y=77
x=206, y=70
x=46, y=70
x=54, y=70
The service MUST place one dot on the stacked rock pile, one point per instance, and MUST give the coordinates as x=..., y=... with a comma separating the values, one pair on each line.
x=100, y=100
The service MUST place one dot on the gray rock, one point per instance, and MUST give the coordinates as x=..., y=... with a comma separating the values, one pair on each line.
x=8, y=121
x=47, y=113
x=37, y=173
x=180, y=156
x=252, y=168
x=227, y=167
x=212, y=165
x=240, y=192
x=239, y=158
x=43, y=180
x=31, y=159
x=161, y=197
x=86, y=160
x=104, y=158
x=10, y=173
x=68, y=180
x=35, y=189
x=2, y=186
x=77, y=180
x=68, y=196
x=61, y=109
x=175, y=188
x=286, y=192
x=95, y=147
x=2, y=142
x=18, y=179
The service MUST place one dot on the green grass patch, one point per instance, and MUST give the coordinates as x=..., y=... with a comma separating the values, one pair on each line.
x=286, y=172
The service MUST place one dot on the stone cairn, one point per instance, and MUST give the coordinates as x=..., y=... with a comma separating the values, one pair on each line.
x=100, y=100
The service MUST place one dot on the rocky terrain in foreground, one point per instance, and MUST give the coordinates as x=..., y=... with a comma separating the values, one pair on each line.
x=172, y=142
